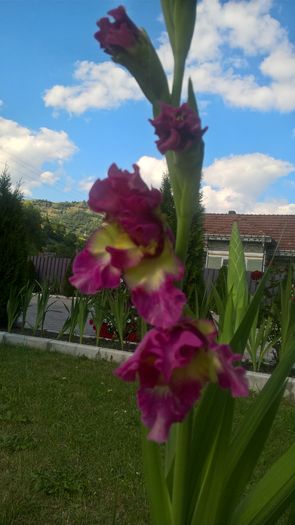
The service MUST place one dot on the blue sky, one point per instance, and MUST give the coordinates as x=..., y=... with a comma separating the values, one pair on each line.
x=67, y=112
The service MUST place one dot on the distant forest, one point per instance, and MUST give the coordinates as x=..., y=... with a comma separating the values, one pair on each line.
x=60, y=228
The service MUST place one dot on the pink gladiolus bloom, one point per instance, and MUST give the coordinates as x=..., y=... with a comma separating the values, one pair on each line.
x=93, y=268
x=133, y=243
x=178, y=128
x=125, y=198
x=118, y=35
x=173, y=366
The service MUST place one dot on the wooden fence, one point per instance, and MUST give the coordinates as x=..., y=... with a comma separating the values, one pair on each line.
x=50, y=268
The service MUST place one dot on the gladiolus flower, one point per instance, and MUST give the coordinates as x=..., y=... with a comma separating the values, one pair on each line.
x=125, y=198
x=173, y=366
x=133, y=243
x=178, y=128
x=130, y=46
x=118, y=35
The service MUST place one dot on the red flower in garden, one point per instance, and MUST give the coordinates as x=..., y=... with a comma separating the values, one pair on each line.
x=134, y=243
x=173, y=366
x=132, y=337
x=256, y=275
x=105, y=332
x=118, y=35
x=177, y=128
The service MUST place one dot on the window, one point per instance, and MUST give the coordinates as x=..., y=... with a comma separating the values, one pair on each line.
x=253, y=264
x=214, y=262
x=218, y=258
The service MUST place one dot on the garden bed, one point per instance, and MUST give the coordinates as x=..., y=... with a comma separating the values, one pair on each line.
x=87, y=339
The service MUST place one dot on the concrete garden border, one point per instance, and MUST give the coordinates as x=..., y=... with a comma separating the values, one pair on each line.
x=257, y=380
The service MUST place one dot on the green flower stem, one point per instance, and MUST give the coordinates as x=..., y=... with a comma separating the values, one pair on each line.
x=184, y=219
x=158, y=495
x=177, y=81
x=180, y=477
x=176, y=189
x=168, y=16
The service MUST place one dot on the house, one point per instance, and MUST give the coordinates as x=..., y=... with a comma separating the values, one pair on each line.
x=263, y=237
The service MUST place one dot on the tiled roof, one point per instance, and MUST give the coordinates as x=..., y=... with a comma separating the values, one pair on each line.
x=281, y=228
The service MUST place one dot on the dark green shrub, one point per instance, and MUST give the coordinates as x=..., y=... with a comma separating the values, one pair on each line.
x=13, y=245
x=66, y=288
x=194, y=264
x=32, y=275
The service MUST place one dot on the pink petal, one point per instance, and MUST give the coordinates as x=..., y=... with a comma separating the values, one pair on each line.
x=161, y=407
x=162, y=307
x=91, y=274
x=229, y=376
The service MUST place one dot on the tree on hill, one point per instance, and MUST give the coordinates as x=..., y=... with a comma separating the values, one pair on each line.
x=33, y=227
x=13, y=243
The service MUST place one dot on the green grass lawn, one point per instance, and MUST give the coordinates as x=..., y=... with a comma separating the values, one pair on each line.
x=70, y=442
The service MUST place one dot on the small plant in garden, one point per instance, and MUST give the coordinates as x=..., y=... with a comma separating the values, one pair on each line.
x=120, y=310
x=83, y=312
x=278, y=305
x=98, y=310
x=260, y=342
x=71, y=322
x=43, y=306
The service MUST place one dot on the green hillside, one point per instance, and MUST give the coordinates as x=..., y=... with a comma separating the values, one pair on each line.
x=75, y=217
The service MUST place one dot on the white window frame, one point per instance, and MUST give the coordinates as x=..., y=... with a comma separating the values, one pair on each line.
x=225, y=255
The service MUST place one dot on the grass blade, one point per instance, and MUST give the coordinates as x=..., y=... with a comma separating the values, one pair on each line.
x=271, y=496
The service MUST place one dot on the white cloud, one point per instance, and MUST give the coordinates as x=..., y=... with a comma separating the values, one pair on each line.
x=227, y=35
x=236, y=183
x=25, y=152
x=233, y=183
x=152, y=170
x=277, y=207
x=280, y=64
x=99, y=86
x=237, y=31
x=48, y=177
x=86, y=184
